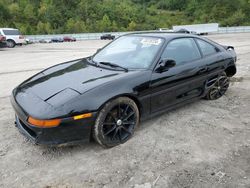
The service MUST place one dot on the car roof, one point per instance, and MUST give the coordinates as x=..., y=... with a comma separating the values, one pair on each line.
x=166, y=35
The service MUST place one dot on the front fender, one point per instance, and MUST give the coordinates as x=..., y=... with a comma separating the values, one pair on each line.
x=136, y=87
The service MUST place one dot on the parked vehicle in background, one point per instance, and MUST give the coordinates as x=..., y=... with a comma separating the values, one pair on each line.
x=165, y=30
x=69, y=39
x=13, y=37
x=2, y=41
x=29, y=41
x=186, y=31
x=56, y=39
x=107, y=37
x=200, y=29
x=44, y=41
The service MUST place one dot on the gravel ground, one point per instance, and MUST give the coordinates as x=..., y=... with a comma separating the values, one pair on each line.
x=204, y=144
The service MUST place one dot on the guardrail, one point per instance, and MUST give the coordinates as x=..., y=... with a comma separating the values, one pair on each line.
x=79, y=36
x=239, y=29
x=95, y=36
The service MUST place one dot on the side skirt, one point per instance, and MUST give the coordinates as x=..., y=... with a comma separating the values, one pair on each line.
x=158, y=113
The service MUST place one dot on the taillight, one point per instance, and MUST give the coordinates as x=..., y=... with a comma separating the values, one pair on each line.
x=21, y=37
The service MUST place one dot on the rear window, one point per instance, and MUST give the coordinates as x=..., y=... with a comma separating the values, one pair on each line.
x=11, y=32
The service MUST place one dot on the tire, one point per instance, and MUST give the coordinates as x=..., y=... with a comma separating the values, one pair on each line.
x=11, y=43
x=116, y=122
x=219, y=88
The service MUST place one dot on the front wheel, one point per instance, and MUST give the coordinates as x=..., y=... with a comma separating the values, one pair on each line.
x=11, y=43
x=219, y=88
x=116, y=122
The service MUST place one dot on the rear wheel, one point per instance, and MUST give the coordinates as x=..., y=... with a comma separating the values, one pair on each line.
x=11, y=43
x=116, y=122
x=219, y=88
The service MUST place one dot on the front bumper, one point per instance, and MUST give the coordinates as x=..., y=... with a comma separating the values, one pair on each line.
x=68, y=132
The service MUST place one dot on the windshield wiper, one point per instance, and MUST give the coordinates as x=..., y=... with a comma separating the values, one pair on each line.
x=114, y=65
x=90, y=60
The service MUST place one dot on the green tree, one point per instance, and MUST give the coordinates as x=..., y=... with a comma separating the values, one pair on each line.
x=236, y=19
x=65, y=16
x=14, y=11
x=29, y=13
x=132, y=26
x=43, y=28
x=75, y=26
x=104, y=24
x=4, y=14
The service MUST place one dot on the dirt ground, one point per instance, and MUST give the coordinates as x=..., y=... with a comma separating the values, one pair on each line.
x=205, y=144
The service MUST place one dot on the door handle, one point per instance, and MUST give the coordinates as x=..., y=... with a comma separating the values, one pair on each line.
x=203, y=70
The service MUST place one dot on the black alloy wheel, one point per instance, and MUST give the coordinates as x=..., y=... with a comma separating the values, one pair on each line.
x=219, y=88
x=116, y=122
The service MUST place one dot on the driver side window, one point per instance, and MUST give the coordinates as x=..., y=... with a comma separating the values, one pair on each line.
x=181, y=51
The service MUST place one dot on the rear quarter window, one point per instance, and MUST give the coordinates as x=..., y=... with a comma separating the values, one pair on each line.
x=11, y=32
x=206, y=48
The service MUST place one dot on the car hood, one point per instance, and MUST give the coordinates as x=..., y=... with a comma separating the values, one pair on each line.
x=68, y=79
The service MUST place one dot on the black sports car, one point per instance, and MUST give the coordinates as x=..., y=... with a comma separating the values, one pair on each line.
x=131, y=79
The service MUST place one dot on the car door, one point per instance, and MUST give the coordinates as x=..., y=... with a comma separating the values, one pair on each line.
x=182, y=82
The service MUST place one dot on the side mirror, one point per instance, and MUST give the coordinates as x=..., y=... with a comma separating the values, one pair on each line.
x=165, y=65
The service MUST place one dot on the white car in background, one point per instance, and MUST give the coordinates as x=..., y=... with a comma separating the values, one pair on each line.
x=13, y=37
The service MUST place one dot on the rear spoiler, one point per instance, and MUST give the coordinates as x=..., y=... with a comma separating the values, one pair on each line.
x=228, y=47
x=231, y=50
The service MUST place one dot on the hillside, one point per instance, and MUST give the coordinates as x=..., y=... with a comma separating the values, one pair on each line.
x=66, y=16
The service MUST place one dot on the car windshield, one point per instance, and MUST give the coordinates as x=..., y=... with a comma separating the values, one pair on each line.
x=11, y=32
x=135, y=52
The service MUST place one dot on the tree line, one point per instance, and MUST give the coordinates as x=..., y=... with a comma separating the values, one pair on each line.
x=79, y=16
